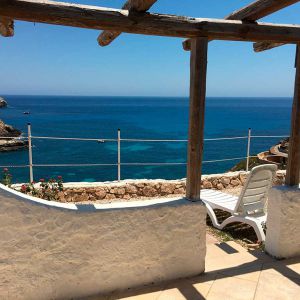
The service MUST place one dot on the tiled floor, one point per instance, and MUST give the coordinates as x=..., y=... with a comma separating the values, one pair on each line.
x=232, y=272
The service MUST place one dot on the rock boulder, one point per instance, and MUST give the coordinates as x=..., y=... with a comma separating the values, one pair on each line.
x=10, y=144
x=3, y=103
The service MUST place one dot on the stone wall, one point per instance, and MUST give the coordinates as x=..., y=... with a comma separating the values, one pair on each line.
x=53, y=250
x=132, y=189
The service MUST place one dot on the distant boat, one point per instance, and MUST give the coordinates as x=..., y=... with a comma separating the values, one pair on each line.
x=26, y=112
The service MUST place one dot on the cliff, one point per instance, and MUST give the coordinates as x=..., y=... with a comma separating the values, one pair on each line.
x=9, y=131
x=11, y=143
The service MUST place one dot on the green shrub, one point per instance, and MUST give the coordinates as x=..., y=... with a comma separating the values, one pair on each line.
x=44, y=189
x=6, y=177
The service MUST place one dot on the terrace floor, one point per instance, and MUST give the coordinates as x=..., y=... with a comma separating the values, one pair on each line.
x=232, y=272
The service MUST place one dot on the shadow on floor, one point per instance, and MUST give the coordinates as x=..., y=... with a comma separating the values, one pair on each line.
x=230, y=269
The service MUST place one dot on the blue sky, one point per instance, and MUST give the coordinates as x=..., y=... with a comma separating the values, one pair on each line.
x=54, y=60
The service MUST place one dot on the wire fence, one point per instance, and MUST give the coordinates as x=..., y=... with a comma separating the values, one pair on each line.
x=31, y=165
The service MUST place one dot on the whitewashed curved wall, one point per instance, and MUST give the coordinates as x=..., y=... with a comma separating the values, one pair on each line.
x=51, y=250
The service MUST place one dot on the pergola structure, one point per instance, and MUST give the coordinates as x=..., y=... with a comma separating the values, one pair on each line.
x=241, y=25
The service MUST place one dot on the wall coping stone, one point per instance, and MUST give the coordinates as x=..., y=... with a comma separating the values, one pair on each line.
x=82, y=207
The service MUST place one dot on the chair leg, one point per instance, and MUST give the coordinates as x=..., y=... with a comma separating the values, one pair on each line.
x=213, y=216
x=255, y=224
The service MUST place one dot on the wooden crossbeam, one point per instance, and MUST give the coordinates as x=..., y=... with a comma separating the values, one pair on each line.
x=107, y=36
x=262, y=46
x=293, y=166
x=259, y=9
x=252, y=12
x=92, y=17
x=267, y=45
x=6, y=26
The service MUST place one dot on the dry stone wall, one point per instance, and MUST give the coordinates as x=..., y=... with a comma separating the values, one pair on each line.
x=132, y=189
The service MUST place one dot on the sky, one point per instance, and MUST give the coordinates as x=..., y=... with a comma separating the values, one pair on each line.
x=45, y=59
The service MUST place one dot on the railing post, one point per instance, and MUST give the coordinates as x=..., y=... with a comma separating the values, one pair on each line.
x=119, y=154
x=30, y=153
x=248, y=149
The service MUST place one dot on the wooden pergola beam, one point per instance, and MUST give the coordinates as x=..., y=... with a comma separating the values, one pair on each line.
x=293, y=166
x=6, y=26
x=107, y=36
x=259, y=9
x=198, y=68
x=253, y=12
x=92, y=17
x=262, y=46
x=267, y=45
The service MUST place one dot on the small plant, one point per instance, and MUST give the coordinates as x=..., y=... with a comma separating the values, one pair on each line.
x=47, y=189
x=30, y=189
x=6, y=177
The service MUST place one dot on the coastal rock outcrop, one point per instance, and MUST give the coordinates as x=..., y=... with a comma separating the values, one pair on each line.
x=12, y=142
x=3, y=103
x=8, y=130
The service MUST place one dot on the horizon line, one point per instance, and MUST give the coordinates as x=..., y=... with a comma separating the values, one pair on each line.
x=139, y=96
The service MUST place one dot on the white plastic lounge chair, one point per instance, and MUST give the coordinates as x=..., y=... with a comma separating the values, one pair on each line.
x=249, y=207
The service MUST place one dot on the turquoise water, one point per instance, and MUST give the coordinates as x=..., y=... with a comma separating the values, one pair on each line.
x=142, y=118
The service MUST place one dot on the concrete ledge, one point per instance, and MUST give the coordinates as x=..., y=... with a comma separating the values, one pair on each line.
x=283, y=223
x=53, y=250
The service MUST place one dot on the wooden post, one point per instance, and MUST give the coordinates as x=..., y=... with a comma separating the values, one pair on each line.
x=196, y=118
x=293, y=167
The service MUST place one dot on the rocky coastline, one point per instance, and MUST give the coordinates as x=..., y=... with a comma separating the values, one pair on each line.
x=13, y=141
x=10, y=136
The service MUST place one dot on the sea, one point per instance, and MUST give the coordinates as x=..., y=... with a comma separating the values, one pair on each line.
x=150, y=118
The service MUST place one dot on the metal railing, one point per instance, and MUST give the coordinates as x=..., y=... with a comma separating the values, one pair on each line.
x=118, y=140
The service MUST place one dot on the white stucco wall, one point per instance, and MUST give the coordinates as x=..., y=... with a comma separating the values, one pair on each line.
x=51, y=250
x=283, y=223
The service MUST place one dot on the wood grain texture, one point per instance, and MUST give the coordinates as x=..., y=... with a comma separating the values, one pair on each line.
x=262, y=46
x=259, y=9
x=293, y=167
x=6, y=27
x=252, y=12
x=107, y=36
x=198, y=69
x=92, y=17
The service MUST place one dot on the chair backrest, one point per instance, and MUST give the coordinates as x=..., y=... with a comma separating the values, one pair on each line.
x=253, y=197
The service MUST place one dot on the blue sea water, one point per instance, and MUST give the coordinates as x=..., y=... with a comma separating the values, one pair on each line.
x=138, y=118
